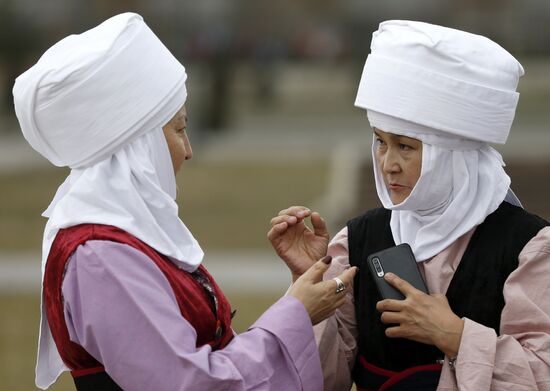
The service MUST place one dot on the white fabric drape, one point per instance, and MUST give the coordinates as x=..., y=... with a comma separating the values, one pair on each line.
x=134, y=190
x=457, y=189
x=450, y=80
x=96, y=102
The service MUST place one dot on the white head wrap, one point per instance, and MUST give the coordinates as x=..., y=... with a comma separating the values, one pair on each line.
x=96, y=102
x=454, y=91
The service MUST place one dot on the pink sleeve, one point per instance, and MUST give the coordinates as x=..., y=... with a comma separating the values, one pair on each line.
x=518, y=359
x=337, y=336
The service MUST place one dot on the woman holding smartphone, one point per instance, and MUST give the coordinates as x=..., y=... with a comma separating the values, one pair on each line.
x=435, y=98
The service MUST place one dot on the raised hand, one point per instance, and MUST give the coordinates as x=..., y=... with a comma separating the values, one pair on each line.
x=298, y=245
x=421, y=317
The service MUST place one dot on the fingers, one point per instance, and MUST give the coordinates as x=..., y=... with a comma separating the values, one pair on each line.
x=389, y=317
x=395, y=332
x=289, y=219
x=346, y=277
x=296, y=214
x=277, y=230
x=319, y=225
x=298, y=211
x=400, y=284
x=390, y=305
x=315, y=273
x=292, y=215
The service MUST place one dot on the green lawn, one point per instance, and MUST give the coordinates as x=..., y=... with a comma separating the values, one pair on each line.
x=226, y=205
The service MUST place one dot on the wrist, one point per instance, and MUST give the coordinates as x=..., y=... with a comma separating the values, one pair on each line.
x=450, y=339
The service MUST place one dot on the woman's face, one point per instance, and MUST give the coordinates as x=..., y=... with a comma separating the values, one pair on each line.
x=400, y=162
x=175, y=132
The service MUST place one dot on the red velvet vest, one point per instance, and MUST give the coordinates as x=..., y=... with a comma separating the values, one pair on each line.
x=194, y=303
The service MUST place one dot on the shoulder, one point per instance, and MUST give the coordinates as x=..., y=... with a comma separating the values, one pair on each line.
x=530, y=279
x=512, y=226
x=539, y=244
x=513, y=217
x=113, y=271
x=373, y=214
x=377, y=219
x=105, y=260
x=107, y=252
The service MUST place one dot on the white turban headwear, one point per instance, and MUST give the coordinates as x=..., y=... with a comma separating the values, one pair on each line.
x=96, y=102
x=456, y=92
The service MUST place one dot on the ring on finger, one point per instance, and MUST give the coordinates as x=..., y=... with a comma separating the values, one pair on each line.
x=340, y=286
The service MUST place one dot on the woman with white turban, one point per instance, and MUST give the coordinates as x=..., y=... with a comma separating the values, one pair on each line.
x=126, y=302
x=435, y=97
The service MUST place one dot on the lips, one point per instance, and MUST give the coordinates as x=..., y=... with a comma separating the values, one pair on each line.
x=396, y=186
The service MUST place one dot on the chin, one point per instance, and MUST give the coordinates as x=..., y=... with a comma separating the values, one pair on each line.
x=397, y=199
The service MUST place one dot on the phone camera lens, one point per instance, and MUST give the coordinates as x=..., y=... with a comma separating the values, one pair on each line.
x=378, y=267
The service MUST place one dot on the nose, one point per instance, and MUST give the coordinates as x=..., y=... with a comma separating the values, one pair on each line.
x=188, y=148
x=390, y=162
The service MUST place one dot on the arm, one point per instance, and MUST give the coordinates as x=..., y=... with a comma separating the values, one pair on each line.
x=337, y=336
x=299, y=246
x=121, y=309
x=519, y=358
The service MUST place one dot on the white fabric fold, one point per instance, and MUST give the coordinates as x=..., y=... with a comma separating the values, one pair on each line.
x=123, y=62
x=486, y=115
x=459, y=83
x=457, y=189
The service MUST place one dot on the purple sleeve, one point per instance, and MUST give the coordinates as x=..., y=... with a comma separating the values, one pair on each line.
x=121, y=309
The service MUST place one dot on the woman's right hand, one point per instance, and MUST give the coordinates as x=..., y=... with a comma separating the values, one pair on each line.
x=294, y=242
x=320, y=297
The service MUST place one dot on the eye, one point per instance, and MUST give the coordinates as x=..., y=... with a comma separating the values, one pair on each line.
x=379, y=141
x=405, y=147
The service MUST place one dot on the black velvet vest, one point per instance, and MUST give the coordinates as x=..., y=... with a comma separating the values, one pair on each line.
x=475, y=290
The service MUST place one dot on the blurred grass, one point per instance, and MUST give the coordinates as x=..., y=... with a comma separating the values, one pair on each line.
x=25, y=195
x=225, y=205
x=19, y=336
x=229, y=205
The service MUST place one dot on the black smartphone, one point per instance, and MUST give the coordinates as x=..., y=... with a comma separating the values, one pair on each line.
x=400, y=261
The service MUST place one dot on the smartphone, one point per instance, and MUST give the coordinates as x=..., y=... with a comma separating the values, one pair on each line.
x=400, y=261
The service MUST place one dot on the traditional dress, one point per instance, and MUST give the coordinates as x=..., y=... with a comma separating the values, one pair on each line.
x=126, y=301
x=515, y=356
x=455, y=92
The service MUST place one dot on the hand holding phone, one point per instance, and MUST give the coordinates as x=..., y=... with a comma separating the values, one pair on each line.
x=400, y=261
